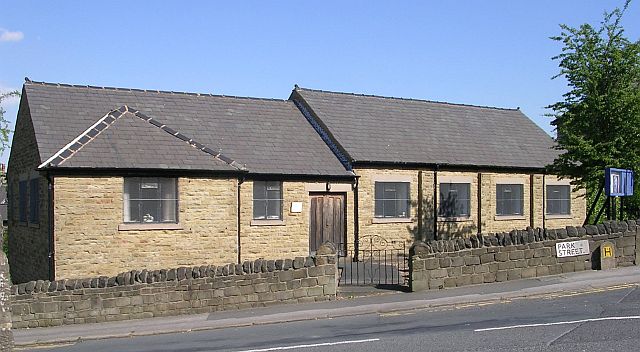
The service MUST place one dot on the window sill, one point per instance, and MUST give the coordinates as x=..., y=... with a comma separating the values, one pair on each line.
x=558, y=216
x=454, y=219
x=509, y=217
x=260, y=222
x=147, y=227
x=390, y=220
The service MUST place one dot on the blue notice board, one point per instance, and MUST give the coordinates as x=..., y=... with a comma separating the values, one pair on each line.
x=618, y=182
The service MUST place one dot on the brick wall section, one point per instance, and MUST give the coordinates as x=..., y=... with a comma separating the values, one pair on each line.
x=28, y=243
x=185, y=290
x=514, y=255
x=407, y=230
x=291, y=236
x=6, y=336
x=88, y=243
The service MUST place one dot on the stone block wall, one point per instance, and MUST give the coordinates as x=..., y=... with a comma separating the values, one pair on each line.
x=407, y=230
x=89, y=241
x=6, y=336
x=184, y=290
x=515, y=255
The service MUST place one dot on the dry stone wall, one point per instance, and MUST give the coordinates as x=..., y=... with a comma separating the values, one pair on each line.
x=515, y=255
x=184, y=290
x=6, y=336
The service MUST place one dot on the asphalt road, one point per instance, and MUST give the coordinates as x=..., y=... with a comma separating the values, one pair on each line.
x=608, y=320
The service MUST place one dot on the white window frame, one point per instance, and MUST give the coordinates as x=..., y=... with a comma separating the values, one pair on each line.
x=510, y=184
x=546, y=200
x=407, y=199
x=267, y=200
x=165, y=202
x=451, y=181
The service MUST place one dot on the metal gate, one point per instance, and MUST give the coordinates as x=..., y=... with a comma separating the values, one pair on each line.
x=374, y=261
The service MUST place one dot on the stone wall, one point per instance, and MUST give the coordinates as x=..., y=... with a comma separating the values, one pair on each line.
x=28, y=242
x=89, y=241
x=407, y=230
x=185, y=290
x=515, y=255
x=6, y=336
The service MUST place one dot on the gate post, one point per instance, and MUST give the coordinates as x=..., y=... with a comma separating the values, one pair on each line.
x=6, y=336
x=418, y=275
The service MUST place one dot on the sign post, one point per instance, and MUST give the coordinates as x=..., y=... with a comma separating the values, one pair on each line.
x=617, y=183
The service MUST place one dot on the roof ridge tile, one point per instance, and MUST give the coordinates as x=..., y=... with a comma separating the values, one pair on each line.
x=406, y=99
x=67, y=85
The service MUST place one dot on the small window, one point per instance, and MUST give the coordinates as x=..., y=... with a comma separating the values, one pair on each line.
x=150, y=200
x=267, y=200
x=510, y=199
x=392, y=200
x=22, y=201
x=34, y=201
x=558, y=200
x=455, y=200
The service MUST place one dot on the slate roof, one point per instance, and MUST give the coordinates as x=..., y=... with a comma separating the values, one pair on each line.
x=262, y=136
x=154, y=146
x=376, y=129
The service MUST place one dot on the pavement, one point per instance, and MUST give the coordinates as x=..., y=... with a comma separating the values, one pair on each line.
x=353, y=301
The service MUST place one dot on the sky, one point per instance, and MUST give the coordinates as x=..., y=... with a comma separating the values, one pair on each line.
x=490, y=53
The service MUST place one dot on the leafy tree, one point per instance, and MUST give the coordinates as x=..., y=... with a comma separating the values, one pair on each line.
x=598, y=122
x=4, y=124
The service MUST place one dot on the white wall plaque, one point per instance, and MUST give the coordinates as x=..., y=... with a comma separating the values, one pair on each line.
x=572, y=249
x=296, y=207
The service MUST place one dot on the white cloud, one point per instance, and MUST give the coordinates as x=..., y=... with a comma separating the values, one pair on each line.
x=10, y=36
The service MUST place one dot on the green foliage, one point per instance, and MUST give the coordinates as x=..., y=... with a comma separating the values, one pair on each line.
x=4, y=124
x=598, y=122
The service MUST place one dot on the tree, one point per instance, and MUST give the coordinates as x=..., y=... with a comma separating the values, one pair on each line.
x=4, y=124
x=598, y=122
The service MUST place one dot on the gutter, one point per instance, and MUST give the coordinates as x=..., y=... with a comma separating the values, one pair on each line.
x=240, y=182
x=51, y=255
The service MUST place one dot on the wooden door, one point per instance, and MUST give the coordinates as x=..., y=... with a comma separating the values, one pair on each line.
x=327, y=220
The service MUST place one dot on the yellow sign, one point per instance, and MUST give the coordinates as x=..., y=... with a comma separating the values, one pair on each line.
x=607, y=252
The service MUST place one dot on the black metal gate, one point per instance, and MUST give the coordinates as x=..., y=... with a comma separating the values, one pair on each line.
x=374, y=261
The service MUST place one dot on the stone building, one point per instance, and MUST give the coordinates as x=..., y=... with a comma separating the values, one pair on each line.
x=430, y=169
x=104, y=180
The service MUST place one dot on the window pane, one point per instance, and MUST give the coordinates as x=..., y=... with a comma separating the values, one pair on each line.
x=454, y=199
x=390, y=210
x=273, y=209
x=259, y=190
x=34, y=201
x=392, y=199
x=259, y=209
x=150, y=210
x=22, y=201
x=267, y=200
x=558, y=199
x=150, y=199
x=509, y=199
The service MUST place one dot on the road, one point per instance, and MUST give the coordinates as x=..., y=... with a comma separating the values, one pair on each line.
x=601, y=320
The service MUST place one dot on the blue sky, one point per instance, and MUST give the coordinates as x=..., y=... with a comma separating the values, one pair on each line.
x=495, y=53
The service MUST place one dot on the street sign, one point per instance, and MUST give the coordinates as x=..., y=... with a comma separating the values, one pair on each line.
x=618, y=182
x=572, y=249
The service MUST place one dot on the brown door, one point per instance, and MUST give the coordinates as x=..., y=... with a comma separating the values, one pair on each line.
x=327, y=221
